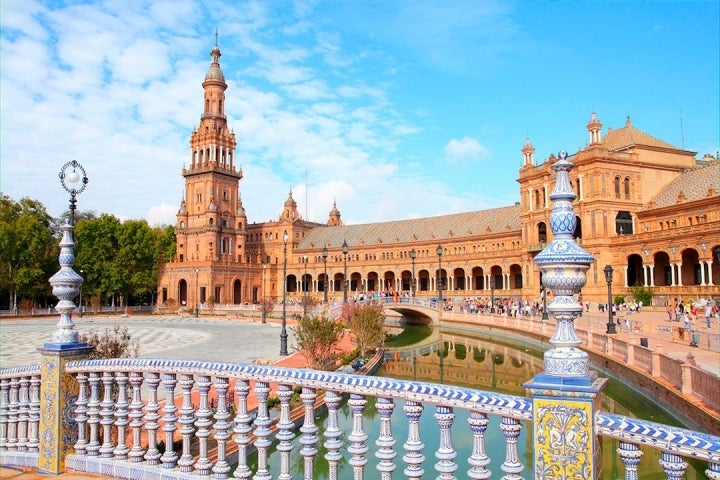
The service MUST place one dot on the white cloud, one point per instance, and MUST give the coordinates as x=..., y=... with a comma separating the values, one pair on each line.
x=465, y=149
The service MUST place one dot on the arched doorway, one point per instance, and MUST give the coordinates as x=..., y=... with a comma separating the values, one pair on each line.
x=237, y=292
x=182, y=292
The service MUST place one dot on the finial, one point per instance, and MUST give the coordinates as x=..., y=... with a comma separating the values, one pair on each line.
x=216, y=36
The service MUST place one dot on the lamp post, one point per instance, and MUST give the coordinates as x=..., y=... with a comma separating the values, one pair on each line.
x=492, y=293
x=439, y=251
x=305, y=286
x=283, y=331
x=412, y=280
x=325, y=281
x=264, y=305
x=197, y=292
x=81, y=304
x=608, y=278
x=345, y=279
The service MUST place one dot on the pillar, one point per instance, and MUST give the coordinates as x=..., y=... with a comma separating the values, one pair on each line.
x=566, y=395
x=59, y=390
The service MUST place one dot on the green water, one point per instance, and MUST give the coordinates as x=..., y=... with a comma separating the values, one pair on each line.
x=523, y=361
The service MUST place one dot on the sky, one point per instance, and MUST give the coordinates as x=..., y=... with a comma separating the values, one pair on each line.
x=393, y=109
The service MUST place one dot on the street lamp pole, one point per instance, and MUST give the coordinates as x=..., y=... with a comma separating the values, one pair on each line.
x=81, y=304
x=264, y=305
x=305, y=286
x=197, y=292
x=345, y=279
x=439, y=251
x=492, y=293
x=325, y=281
x=412, y=280
x=283, y=331
x=611, y=322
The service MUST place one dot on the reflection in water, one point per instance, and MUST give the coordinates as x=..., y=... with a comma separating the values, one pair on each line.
x=474, y=361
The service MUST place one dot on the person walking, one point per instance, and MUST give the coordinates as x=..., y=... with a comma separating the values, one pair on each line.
x=708, y=314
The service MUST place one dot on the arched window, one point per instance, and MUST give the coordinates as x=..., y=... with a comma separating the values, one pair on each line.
x=207, y=105
x=624, y=223
x=617, y=187
x=542, y=232
x=627, y=188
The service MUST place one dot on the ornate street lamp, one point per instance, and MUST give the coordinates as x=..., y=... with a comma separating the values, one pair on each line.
x=305, y=286
x=70, y=175
x=283, y=331
x=492, y=293
x=412, y=280
x=325, y=281
x=197, y=292
x=439, y=251
x=345, y=279
x=611, y=322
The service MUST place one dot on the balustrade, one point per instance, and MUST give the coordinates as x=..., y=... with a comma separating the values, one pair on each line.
x=117, y=420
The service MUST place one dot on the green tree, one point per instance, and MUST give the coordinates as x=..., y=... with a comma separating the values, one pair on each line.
x=28, y=251
x=138, y=256
x=366, y=323
x=643, y=294
x=317, y=339
x=96, y=247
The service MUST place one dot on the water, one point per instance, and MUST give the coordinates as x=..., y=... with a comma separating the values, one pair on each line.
x=476, y=361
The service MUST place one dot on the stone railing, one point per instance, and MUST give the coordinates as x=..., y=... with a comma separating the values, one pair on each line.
x=684, y=378
x=215, y=414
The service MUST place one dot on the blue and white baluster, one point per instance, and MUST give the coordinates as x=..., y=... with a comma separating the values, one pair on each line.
x=137, y=452
x=478, y=460
x=309, y=439
x=93, y=446
x=23, y=409
x=203, y=465
x=285, y=433
x=262, y=431
x=242, y=429
x=121, y=416
x=222, y=428
x=333, y=444
x=445, y=466
x=713, y=471
x=187, y=421
x=413, y=458
x=152, y=456
x=673, y=465
x=385, y=442
x=357, y=438
x=511, y=466
x=34, y=420
x=12, y=430
x=107, y=415
x=4, y=412
x=630, y=455
x=81, y=413
x=169, y=458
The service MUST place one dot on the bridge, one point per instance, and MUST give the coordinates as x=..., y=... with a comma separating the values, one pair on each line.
x=416, y=311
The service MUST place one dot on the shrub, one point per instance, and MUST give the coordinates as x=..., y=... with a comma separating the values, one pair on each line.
x=112, y=343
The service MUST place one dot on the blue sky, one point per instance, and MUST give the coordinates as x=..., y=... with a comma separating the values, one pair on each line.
x=395, y=109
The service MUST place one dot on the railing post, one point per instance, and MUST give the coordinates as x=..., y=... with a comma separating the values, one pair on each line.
x=59, y=389
x=565, y=396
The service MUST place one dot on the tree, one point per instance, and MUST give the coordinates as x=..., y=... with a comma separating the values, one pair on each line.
x=366, y=323
x=317, y=339
x=267, y=305
x=643, y=294
x=28, y=251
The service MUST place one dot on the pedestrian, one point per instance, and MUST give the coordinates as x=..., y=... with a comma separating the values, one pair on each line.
x=708, y=313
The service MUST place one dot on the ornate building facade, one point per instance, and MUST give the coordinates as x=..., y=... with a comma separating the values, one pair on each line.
x=648, y=209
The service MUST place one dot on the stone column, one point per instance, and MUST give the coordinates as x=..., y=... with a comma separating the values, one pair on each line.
x=566, y=394
x=59, y=389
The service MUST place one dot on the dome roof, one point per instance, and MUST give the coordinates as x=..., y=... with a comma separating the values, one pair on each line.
x=215, y=73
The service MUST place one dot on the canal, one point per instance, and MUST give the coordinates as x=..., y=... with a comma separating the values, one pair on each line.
x=475, y=360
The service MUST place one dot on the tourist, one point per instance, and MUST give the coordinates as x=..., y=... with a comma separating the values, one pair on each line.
x=708, y=313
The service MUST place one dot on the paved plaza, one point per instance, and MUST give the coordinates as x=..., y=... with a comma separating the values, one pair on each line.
x=177, y=338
